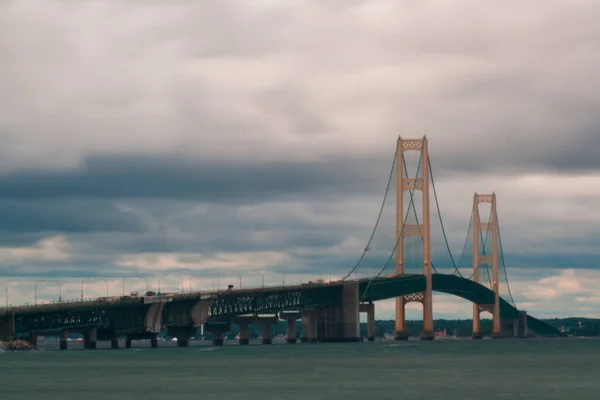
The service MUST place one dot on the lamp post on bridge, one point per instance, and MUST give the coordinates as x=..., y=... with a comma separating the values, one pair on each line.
x=181, y=280
x=55, y=282
x=93, y=279
x=133, y=277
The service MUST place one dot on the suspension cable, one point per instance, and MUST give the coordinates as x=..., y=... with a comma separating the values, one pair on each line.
x=462, y=254
x=440, y=216
x=401, y=235
x=503, y=264
x=387, y=189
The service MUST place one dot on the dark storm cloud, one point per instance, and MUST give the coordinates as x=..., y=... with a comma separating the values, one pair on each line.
x=68, y=215
x=164, y=177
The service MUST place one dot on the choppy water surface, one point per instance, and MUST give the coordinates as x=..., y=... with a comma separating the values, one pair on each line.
x=450, y=369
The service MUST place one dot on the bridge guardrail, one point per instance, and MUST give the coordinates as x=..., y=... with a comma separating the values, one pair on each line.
x=113, y=299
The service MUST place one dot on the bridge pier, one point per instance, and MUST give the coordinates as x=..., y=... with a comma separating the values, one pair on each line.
x=7, y=326
x=90, y=339
x=32, y=339
x=128, y=342
x=523, y=328
x=370, y=310
x=154, y=341
x=309, y=323
x=290, y=319
x=267, y=323
x=243, y=321
x=304, y=327
x=217, y=329
x=182, y=333
x=63, y=342
x=342, y=323
x=114, y=342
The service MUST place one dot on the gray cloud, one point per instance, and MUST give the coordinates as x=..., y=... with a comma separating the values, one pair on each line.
x=220, y=128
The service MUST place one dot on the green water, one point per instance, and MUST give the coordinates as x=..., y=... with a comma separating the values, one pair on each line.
x=445, y=369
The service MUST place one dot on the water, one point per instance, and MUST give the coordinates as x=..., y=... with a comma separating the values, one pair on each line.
x=444, y=369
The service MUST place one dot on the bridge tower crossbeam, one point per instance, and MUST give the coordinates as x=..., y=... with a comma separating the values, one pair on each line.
x=479, y=259
x=405, y=230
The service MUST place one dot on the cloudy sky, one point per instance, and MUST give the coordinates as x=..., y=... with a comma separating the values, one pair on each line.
x=222, y=139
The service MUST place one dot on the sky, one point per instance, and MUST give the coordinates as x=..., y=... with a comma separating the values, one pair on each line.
x=218, y=142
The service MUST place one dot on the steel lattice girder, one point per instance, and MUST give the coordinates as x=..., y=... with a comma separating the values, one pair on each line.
x=230, y=304
x=121, y=318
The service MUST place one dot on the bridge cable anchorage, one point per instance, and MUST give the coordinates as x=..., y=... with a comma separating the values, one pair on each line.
x=401, y=235
x=503, y=264
x=387, y=189
x=441, y=219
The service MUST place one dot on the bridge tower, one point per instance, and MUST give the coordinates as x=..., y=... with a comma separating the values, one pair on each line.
x=479, y=260
x=403, y=230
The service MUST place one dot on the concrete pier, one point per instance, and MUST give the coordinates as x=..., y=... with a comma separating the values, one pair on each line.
x=182, y=333
x=244, y=338
x=304, y=328
x=63, y=342
x=523, y=328
x=154, y=341
x=7, y=326
x=267, y=321
x=370, y=310
x=217, y=329
x=243, y=321
x=92, y=339
x=128, y=342
x=290, y=319
x=114, y=342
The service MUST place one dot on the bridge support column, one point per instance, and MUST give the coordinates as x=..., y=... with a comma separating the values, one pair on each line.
x=476, y=322
x=304, y=327
x=266, y=333
x=267, y=322
x=422, y=230
x=243, y=321
x=32, y=339
x=370, y=310
x=309, y=320
x=63, y=343
x=154, y=341
x=217, y=329
x=7, y=326
x=244, y=334
x=127, y=342
x=182, y=333
x=523, y=329
x=90, y=339
x=342, y=323
x=114, y=342
x=290, y=319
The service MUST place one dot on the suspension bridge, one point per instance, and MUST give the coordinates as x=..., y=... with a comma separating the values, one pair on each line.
x=416, y=262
